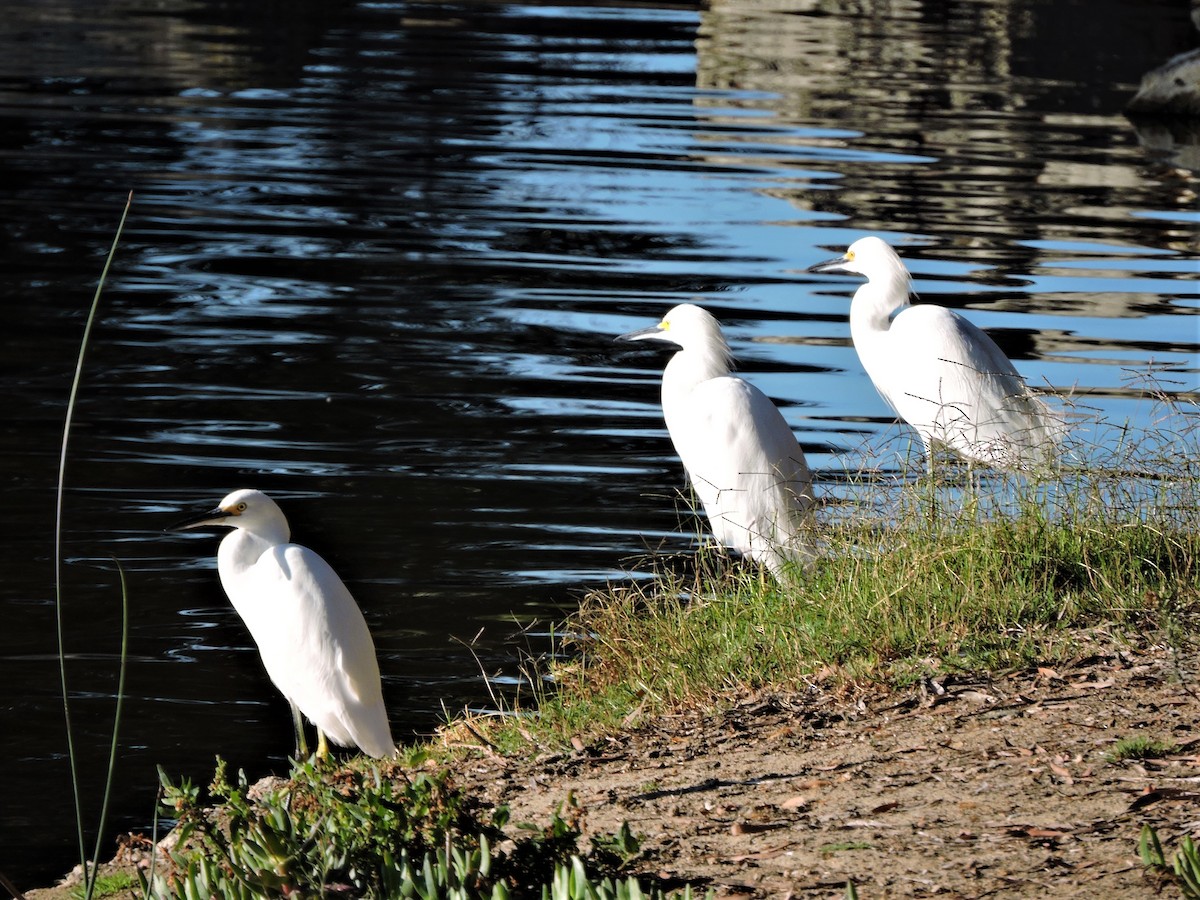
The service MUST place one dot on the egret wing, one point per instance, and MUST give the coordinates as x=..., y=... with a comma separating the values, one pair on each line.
x=745, y=466
x=952, y=383
x=316, y=647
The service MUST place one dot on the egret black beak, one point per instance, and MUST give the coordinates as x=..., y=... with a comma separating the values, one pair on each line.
x=837, y=264
x=212, y=517
x=654, y=331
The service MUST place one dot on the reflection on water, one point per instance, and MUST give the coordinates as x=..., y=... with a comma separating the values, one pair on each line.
x=376, y=260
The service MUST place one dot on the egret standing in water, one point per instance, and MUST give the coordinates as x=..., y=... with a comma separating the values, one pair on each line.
x=310, y=633
x=742, y=459
x=941, y=374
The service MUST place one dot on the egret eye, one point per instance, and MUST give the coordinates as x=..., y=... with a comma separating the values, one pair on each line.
x=849, y=256
x=241, y=507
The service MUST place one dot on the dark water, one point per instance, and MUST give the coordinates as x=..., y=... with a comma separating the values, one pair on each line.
x=375, y=261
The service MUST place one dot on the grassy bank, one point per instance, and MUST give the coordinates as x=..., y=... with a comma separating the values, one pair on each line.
x=920, y=576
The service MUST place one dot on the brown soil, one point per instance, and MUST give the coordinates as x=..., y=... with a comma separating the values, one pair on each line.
x=998, y=788
x=994, y=788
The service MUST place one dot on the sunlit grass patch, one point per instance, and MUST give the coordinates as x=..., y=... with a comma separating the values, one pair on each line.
x=106, y=886
x=964, y=570
x=1140, y=746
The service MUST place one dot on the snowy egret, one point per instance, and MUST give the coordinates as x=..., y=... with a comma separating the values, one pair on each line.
x=938, y=372
x=310, y=633
x=740, y=455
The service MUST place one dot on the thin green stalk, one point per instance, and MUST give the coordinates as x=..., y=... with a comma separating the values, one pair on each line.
x=58, y=609
x=148, y=884
x=112, y=750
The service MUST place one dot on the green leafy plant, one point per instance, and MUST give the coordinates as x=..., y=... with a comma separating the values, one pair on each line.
x=1150, y=849
x=1187, y=867
x=1184, y=867
x=621, y=848
x=572, y=882
x=374, y=832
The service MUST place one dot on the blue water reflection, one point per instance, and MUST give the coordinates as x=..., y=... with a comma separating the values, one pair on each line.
x=377, y=256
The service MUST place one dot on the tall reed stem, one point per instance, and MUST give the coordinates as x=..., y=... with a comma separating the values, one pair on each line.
x=58, y=530
x=112, y=749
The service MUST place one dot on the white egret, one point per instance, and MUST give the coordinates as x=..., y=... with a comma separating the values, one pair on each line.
x=310, y=633
x=938, y=372
x=740, y=455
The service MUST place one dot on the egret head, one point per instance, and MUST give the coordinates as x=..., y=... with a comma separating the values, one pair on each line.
x=687, y=326
x=249, y=509
x=869, y=256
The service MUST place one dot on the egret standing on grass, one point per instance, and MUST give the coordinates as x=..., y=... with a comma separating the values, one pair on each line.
x=310, y=633
x=740, y=455
x=941, y=374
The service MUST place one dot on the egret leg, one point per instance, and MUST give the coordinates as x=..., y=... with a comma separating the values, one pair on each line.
x=974, y=488
x=931, y=474
x=322, y=745
x=301, y=743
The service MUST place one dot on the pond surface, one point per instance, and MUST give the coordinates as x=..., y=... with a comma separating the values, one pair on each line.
x=375, y=261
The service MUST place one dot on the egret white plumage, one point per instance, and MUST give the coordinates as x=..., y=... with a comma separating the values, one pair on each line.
x=310, y=633
x=740, y=455
x=939, y=373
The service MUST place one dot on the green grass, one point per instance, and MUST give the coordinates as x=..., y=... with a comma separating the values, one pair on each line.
x=1140, y=746
x=918, y=576
x=106, y=886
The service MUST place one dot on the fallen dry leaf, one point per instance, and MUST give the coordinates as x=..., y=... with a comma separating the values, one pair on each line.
x=1061, y=772
x=753, y=827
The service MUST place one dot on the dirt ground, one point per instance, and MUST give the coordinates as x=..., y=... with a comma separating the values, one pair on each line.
x=996, y=788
